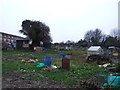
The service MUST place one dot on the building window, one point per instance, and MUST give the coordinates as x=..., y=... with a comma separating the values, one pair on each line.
x=0, y=34
x=18, y=38
x=4, y=35
x=8, y=36
x=25, y=42
x=12, y=41
x=8, y=40
x=12, y=37
x=4, y=40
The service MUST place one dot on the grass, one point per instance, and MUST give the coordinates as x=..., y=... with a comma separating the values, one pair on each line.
x=78, y=69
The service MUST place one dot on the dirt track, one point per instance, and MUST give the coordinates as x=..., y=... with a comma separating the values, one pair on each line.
x=14, y=81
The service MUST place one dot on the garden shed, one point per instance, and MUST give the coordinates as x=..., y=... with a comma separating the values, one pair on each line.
x=94, y=50
x=22, y=44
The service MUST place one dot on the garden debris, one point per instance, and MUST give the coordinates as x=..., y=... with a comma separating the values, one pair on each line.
x=18, y=54
x=20, y=57
x=37, y=49
x=116, y=61
x=52, y=66
x=100, y=65
x=99, y=59
x=36, y=60
x=47, y=69
x=115, y=54
x=31, y=60
x=104, y=65
x=23, y=60
x=33, y=70
x=40, y=65
x=23, y=70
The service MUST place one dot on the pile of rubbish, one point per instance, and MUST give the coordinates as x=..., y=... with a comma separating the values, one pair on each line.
x=46, y=66
x=99, y=59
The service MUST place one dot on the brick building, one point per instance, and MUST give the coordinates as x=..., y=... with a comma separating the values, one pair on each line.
x=6, y=40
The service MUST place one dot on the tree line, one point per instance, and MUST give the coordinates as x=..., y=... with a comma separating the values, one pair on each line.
x=39, y=35
x=97, y=37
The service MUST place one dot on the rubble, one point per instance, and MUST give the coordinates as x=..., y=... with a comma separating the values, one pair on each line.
x=99, y=59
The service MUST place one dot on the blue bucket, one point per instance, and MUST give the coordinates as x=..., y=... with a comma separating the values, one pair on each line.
x=47, y=60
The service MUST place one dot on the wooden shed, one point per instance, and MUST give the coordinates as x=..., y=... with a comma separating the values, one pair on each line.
x=22, y=44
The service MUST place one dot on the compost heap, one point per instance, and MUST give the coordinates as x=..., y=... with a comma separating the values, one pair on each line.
x=99, y=59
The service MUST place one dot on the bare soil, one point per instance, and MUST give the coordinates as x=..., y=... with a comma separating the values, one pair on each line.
x=14, y=81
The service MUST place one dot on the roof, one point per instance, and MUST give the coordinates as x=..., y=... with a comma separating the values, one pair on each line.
x=111, y=47
x=23, y=39
x=94, y=48
x=11, y=35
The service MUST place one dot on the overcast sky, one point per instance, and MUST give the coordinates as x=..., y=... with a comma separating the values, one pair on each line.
x=67, y=19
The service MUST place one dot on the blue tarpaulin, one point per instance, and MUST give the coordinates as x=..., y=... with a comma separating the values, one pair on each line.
x=61, y=56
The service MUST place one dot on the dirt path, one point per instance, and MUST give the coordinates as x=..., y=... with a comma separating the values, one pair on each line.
x=14, y=81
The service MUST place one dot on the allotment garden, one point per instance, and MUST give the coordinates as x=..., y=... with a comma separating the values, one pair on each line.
x=20, y=70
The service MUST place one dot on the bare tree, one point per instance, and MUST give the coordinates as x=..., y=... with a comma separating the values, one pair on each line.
x=88, y=37
x=94, y=37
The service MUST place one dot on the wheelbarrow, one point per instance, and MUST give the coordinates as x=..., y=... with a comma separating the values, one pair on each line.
x=112, y=80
